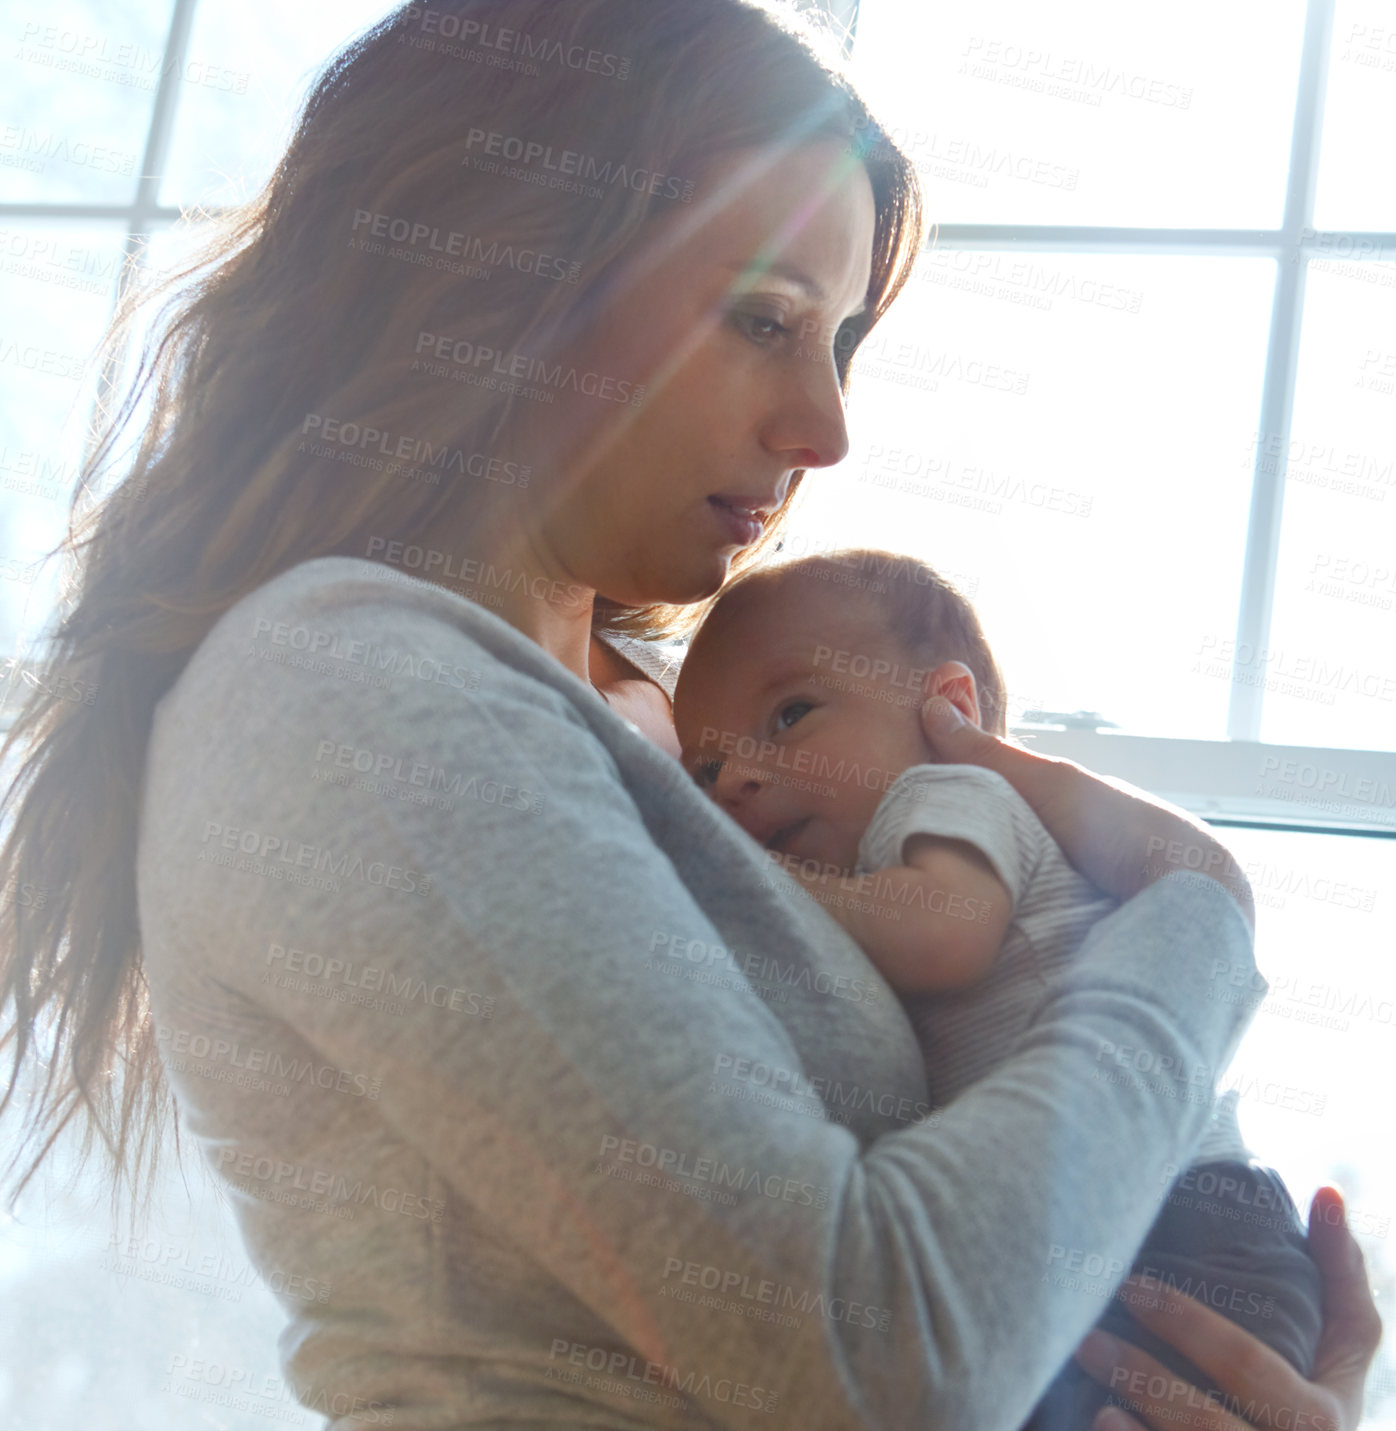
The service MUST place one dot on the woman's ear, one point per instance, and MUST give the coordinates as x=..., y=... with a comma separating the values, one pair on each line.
x=954, y=681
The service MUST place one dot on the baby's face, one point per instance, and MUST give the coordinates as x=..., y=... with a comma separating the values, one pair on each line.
x=796, y=716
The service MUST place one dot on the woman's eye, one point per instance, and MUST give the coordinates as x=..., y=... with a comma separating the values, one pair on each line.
x=761, y=328
x=788, y=715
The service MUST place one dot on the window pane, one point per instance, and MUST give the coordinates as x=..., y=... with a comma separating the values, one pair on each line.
x=233, y=127
x=79, y=78
x=165, y=1329
x=1357, y=174
x=1329, y=668
x=1314, y=1070
x=57, y=284
x=1091, y=112
x=1049, y=430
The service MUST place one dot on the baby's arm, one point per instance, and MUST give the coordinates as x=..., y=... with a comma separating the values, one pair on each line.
x=933, y=923
x=952, y=849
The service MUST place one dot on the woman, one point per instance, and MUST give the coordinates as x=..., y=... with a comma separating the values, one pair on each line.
x=443, y=947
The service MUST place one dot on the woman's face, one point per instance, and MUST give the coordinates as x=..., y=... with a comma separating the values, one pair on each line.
x=728, y=316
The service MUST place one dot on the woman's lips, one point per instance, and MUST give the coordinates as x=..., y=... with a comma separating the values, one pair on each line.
x=742, y=523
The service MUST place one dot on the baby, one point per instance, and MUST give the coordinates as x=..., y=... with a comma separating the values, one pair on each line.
x=798, y=710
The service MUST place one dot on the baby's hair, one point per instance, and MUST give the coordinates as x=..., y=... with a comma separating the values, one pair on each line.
x=924, y=611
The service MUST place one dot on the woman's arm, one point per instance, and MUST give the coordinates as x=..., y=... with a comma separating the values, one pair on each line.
x=1118, y=836
x=578, y=1121
x=1087, y=814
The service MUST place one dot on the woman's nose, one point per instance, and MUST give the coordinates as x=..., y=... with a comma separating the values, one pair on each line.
x=811, y=428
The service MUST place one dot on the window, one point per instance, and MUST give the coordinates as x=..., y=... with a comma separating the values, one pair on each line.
x=1139, y=402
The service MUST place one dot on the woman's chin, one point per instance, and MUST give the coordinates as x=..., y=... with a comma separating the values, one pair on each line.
x=681, y=584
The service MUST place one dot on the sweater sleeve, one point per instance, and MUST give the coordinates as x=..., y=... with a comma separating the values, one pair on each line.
x=576, y=1121
x=957, y=802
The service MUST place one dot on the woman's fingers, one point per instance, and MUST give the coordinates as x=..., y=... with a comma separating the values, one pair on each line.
x=954, y=739
x=1351, y=1326
x=1241, y=1364
x=1112, y=1418
x=1156, y=1396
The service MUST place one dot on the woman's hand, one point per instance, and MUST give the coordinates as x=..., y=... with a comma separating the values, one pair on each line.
x=1118, y=836
x=1267, y=1391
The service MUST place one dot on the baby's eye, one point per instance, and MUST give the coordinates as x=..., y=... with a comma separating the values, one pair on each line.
x=792, y=712
x=706, y=773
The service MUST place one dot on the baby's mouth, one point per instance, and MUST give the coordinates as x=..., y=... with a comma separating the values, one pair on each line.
x=780, y=840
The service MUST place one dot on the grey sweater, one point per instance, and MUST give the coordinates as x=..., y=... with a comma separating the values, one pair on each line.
x=481, y=1011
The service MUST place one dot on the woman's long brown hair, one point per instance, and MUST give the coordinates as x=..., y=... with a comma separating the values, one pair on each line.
x=283, y=321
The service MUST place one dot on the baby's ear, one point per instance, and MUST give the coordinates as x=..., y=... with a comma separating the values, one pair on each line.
x=954, y=681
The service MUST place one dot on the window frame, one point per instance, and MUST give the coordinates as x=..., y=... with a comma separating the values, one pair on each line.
x=1224, y=771
x=1223, y=781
